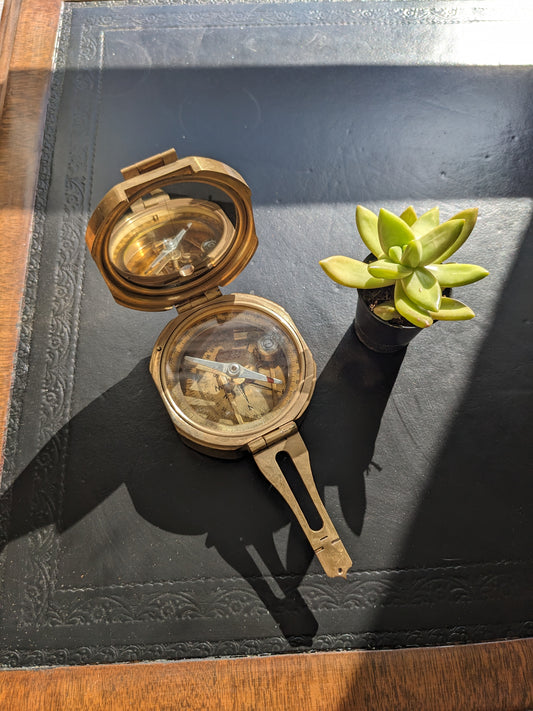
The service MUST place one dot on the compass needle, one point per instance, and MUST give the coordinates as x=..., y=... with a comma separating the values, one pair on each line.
x=232, y=370
x=168, y=253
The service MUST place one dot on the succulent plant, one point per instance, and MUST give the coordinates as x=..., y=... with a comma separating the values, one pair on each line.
x=410, y=252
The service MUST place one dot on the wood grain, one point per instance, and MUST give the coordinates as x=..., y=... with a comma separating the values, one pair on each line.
x=490, y=676
x=470, y=678
x=9, y=14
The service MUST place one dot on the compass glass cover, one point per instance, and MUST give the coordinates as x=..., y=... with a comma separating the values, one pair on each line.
x=232, y=371
x=167, y=237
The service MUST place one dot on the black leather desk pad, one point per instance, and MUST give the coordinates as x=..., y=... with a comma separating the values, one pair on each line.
x=120, y=543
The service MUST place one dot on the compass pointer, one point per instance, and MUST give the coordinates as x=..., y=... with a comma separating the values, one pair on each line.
x=233, y=370
x=170, y=246
x=261, y=377
x=205, y=364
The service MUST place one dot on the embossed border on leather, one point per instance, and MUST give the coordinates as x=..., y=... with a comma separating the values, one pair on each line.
x=43, y=603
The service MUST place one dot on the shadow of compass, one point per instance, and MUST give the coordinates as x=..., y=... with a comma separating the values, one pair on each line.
x=124, y=440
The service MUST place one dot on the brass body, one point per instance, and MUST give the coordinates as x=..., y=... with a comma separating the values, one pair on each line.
x=198, y=299
x=228, y=444
x=143, y=179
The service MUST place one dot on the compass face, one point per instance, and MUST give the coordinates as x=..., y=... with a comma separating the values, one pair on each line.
x=232, y=371
x=164, y=241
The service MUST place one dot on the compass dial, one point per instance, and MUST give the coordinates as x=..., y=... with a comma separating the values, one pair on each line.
x=163, y=240
x=232, y=371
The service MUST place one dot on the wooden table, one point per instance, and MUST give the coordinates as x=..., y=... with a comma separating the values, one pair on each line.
x=492, y=676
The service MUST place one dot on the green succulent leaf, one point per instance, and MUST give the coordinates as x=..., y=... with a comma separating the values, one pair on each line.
x=367, y=225
x=469, y=216
x=393, y=231
x=351, y=272
x=457, y=274
x=423, y=289
x=412, y=254
x=426, y=222
x=386, y=311
x=409, y=215
x=409, y=310
x=395, y=253
x=437, y=241
x=452, y=310
x=387, y=269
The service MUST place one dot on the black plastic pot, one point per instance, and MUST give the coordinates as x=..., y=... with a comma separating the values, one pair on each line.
x=377, y=334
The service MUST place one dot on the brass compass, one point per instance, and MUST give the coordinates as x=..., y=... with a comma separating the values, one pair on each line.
x=233, y=371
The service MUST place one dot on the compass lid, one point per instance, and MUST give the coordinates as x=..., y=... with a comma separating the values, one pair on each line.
x=172, y=231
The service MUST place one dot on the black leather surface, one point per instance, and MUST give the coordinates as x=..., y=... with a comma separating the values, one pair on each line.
x=121, y=543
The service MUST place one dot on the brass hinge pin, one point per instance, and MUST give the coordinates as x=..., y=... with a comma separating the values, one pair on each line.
x=270, y=438
x=197, y=301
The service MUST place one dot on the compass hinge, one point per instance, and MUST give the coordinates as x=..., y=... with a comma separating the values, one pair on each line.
x=272, y=437
x=197, y=301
